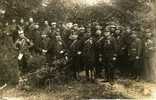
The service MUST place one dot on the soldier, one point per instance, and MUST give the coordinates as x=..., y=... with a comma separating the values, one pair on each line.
x=60, y=52
x=7, y=37
x=89, y=56
x=53, y=30
x=121, y=47
x=36, y=38
x=75, y=50
x=112, y=29
x=22, y=45
x=46, y=28
x=21, y=25
x=135, y=54
x=13, y=30
x=30, y=27
x=109, y=54
x=149, y=55
x=97, y=39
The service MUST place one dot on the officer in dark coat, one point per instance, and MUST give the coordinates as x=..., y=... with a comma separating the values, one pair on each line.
x=36, y=37
x=46, y=28
x=135, y=54
x=75, y=50
x=97, y=39
x=52, y=33
x=22, y=24
x=109, y=54
x=89, y=56
x=13, y=30
x=121, y=48
x=50, y=50
x=29, y=28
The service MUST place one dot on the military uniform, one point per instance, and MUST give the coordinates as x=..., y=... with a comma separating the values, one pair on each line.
x=23, y=44
x=149, y=57
x=75, y=50
x=89, y=57
x=37, y=40
x=13, y=31
x=109, y=56
x=97, y=40
x=135, y=55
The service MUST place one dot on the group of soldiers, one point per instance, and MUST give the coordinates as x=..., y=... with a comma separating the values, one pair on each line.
x=111, y=49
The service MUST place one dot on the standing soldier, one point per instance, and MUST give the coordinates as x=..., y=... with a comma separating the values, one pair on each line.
x=97, y=38
x=75, y=50
x=135, y=54
x=53, y=30
x=30, y=28
x=149, y=55
x=22, y=45
x=36, y=38
x=113, y=29
x=60, y=51
x=21, y=25
x=13, y=30
x=46, y=28
x=121, y=47
x=109, y=55
x=89, y=56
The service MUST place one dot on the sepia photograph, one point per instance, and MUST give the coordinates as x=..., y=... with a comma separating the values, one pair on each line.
x=77, y=49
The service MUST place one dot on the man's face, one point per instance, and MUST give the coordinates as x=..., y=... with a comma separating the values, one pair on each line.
x=31, y=20
x=88, y=30
x=53, y=25
x=21, y=35
x=22, y=21
x=128, y=30
x=112, y=29
x=13, y=21
x=46, y=22
x=149, y=35
x=98, y=32
x=118, y=32
x=107, y=34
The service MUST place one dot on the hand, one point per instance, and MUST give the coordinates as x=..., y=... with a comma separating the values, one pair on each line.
x=44, y=51
x=114, y=58
x=137, y=57
x=61, y=52
x=79, y=52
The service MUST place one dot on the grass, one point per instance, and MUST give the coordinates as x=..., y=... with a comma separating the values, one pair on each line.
x=82, y=90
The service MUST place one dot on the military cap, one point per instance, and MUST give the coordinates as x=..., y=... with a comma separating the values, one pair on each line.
x=53, y=23
x=113, y=26
x=82, y=28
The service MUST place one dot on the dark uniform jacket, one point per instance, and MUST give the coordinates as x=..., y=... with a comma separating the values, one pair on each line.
x=109, y=47
x=88, y=51
x=135, y=49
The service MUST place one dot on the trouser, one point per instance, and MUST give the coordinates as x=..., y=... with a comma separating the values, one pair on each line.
x=149, y=68
x=109, y=69
x=98, y=67
x=75, y=66
x=136, y=68
x=23, y=65
x=89, y=69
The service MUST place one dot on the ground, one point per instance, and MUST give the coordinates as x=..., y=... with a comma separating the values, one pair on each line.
x=123, y=89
